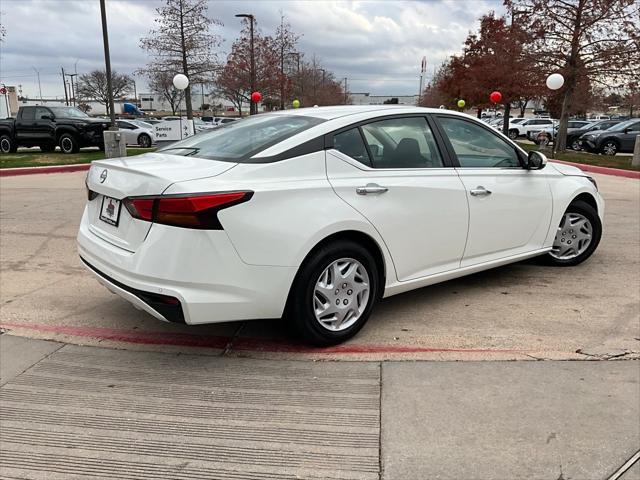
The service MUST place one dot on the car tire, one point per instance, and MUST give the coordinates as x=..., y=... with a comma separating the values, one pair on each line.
x=7, y=145
x=348, y=301
x=609, y=147
x=575, y=145
x=144, y=140
x=68, y=144
x=513, y=134
x=48, y=148
x=576, y=213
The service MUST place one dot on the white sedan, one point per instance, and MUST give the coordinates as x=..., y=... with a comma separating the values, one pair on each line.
x=314, y=215
x=137, y=132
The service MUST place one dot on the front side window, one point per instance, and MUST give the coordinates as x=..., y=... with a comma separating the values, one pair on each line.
x=350, y=143
x=41, y=113
x=239, y=141
x=402, y=143
x=477, y=147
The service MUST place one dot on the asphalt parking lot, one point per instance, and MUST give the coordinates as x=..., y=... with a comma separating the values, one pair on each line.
x=521, y=311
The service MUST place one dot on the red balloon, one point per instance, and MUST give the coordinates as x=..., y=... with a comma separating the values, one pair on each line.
x=495, y=97
x=256, y=97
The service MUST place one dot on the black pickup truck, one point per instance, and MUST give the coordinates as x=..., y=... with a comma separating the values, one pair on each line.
x=47, y=127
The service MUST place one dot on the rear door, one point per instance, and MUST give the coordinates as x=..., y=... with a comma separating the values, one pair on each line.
x=509, y=207
x=392, y=172
x=25, y=125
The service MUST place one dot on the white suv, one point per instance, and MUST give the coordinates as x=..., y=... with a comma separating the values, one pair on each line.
x=533, y=124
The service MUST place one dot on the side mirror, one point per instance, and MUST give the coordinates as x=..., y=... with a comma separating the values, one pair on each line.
x=536, y=160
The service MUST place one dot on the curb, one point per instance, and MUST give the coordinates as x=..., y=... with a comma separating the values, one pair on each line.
x=14, y=172
x=617, y=172
x=242, y=344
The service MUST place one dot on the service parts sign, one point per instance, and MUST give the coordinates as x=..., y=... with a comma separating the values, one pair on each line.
x=172, y=130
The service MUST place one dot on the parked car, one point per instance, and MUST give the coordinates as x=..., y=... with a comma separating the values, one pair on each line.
x=549, y=134
x=48, y=127
x=201, y=126
x=152, y=121
x=520, y=129
x=499, y=122
x=573, y=136
x=225, y=120
x=317, y=214
x=137, y=132
x=620, y=138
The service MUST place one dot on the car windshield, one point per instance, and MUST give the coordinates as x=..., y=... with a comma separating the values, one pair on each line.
x=238, y=141
x=68, y=112
x=141, y=124
x=518, y=120
x=621, y=126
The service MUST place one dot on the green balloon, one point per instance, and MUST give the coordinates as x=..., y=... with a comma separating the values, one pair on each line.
x=296, y=103
x=461, y=103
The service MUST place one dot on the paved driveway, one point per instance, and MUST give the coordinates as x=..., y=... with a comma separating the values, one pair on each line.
x=514, y=312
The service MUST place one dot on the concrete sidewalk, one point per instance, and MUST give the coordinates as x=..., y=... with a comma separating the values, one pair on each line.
x=75, y=412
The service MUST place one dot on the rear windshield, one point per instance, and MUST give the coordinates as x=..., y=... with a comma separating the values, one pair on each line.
x=238, y=141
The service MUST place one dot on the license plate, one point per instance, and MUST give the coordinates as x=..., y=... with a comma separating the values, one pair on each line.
x=110, y=211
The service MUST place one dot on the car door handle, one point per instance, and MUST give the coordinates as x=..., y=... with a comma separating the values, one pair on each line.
x=480, y=191
x=372, y=188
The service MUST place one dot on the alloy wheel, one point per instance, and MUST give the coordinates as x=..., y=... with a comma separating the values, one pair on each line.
x=341, y=294
x=66, y=145
x=5, y=145
x=610, y=148
x=575, y=145
x=573, y=237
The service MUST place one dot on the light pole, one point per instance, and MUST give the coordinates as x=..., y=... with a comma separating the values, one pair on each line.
x=73, y=91
x=180, y=82
x=39, y=85
x=252, y=107
x=107, y=64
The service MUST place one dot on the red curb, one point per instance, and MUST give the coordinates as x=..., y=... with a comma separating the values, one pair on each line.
x=243, y=344
x=618, y=172
x=14, y=172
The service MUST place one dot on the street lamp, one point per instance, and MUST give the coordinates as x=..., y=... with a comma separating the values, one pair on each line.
x=252, y=107
x=181, y=82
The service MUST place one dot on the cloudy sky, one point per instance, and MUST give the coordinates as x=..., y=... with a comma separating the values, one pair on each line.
x=378, y=45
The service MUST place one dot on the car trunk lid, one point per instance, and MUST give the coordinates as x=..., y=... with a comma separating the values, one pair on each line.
x=150, y=174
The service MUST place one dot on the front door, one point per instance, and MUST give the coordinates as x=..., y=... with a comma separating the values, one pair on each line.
x=392, y=172
x=44, y=128
x=628, y=138
x=509, y=207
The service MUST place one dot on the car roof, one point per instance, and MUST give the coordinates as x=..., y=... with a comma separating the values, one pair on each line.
x=331, y=113
x=344, y=116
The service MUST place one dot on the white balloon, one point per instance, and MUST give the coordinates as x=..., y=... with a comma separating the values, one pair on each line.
x=555, y=81
x=180, y=81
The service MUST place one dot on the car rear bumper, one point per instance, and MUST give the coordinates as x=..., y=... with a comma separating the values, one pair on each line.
x=199, y=269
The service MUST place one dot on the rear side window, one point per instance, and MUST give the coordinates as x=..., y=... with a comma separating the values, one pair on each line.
x=28, y=114
x=351, y=144
x=402, y=143
x=238, y=141
x=477, y=147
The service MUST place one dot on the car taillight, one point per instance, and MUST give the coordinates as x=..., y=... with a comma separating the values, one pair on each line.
x=189, y=211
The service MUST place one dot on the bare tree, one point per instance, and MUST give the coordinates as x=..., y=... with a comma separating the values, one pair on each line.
x=3, y=30
x=182, y=42
x=597, y=39
x=285, y=42
x=93, y=86
x=162, y=83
